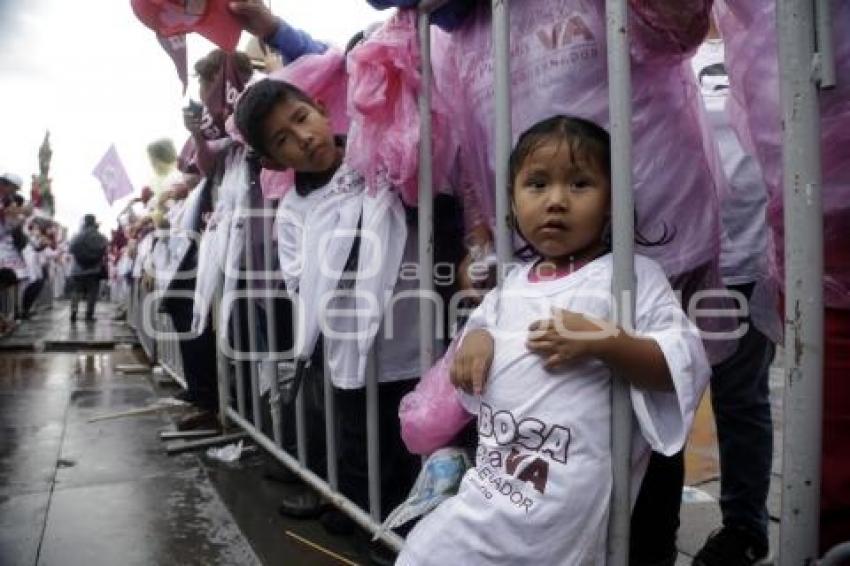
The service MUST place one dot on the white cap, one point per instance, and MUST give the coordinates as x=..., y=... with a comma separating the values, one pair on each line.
x=12, y=179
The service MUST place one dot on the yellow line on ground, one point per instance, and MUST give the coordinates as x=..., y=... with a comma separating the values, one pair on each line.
x=321, y=549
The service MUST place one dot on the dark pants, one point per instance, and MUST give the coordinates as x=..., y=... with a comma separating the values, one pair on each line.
x=7, y=278
x=88, y=287
x=198, y=355
x=398, y=468
x=312, y=386
x=741, y=404
x=740, y=397
x=655, y=519
x=835, y=470
x=30, y=295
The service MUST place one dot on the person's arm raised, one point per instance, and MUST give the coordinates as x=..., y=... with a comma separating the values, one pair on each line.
x=258, y=20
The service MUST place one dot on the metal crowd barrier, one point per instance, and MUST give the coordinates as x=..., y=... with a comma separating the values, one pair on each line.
x=132, y=305
x=804, y=301
x=245, y=380
x=136, y=317
x=168, y=348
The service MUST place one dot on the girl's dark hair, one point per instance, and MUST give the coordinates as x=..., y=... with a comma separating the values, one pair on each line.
x=255, y=105
x=590, y=144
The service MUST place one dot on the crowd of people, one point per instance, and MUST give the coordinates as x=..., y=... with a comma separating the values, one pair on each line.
x=33, y=253
x=327, y=146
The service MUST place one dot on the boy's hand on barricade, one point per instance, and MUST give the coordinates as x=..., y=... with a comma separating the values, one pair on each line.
x=472, y=362
x=255, y=17
x=568, y=337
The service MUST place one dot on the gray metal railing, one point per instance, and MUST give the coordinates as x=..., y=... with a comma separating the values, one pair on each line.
x=801, y=73
x=804, y=302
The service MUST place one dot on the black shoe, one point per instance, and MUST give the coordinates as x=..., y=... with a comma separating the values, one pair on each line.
x=337, y=523
x=207, y=420
x=73, y=317
x=303, y=504
x=731, y=546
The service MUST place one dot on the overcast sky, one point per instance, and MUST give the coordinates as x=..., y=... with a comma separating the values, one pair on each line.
x=92, y=74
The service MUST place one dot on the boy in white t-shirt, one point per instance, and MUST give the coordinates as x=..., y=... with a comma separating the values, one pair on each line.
x=538, y=355
x=337, y=237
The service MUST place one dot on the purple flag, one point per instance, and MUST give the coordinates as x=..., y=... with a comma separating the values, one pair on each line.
x=175, y=46
x=112, y=176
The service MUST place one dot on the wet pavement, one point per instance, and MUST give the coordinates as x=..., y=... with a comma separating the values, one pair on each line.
x=105, y=493
x=74, y=492
x=53, y=330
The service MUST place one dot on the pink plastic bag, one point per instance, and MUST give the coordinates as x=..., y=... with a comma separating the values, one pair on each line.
x=749, y=32
x=432, y=415
x=383, y=104
x=558, y=66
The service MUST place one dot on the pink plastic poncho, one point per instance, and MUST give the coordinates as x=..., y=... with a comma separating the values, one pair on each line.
x=384, y=107
x=432, y=415
x=749, y=32
x=559, y=66
x=322, y=76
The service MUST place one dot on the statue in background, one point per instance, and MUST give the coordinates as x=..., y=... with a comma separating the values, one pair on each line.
x=42, y=183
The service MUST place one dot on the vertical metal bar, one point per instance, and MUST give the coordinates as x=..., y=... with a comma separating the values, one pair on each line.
x=223, y=369
x=131, y=309
x=623, y=284
x=426, y=202
x=803, y=216
x=372, y=436
x=503, y=142
x=271, y=328
x=236, y=322
x=222, y=365
x=301, y=424
x=825, y=45
x=330, y=428
x=252, y=316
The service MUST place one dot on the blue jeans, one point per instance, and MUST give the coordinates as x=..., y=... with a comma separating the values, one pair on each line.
x=740, y=397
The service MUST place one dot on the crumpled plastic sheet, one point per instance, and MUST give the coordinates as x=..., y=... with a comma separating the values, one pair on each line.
x=226, y=454
x=438, y=480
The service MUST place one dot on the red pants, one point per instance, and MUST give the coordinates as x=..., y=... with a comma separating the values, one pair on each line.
x=835, y=475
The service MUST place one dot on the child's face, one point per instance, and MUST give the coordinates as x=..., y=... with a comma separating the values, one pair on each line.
x=297, y=134
x=561, y=205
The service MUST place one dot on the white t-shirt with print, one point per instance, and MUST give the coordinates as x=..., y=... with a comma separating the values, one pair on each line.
x=539, y=493
x=315, y=236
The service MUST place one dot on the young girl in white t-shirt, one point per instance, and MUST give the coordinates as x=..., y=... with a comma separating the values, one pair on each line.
x=537, y=359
